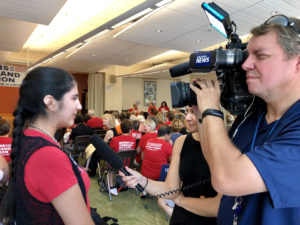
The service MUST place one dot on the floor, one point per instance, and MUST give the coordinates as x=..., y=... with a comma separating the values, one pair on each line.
x=127, y=207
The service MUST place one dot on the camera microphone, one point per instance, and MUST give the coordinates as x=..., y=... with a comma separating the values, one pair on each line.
x=111, y=157
x=180, y=69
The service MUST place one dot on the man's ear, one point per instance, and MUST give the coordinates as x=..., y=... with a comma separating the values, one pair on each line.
x=298, y=64
x=50, y=102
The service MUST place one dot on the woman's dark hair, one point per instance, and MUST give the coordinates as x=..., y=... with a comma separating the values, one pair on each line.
x=126, y=126
x=170, y=115
x=136, y=125
x=86, y=118
x=163, y=130
x=79, y=118
x=124, y=115
x=36, y=85
x=4, y=127
x=161, y=104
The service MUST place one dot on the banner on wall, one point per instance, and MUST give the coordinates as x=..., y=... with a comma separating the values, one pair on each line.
x=11, y=76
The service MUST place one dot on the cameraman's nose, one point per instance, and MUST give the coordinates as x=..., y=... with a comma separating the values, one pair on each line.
x=248, y=64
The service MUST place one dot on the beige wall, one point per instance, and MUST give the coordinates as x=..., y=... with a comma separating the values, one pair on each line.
x=133, y=90
x=113, y=94
x=122, y=93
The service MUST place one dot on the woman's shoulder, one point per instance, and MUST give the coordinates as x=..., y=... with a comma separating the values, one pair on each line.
x=177, y=147
x=182, y=137
x=49, y=153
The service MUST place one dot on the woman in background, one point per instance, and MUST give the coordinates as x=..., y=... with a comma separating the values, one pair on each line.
x=151, y=108
x=5, y=140
x=176, y=126
x=109, y=122
x=46, y=186
x=198, y=203
x=164, y=107
x=134, y=110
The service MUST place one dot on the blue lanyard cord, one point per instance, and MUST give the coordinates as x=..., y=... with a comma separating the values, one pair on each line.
x=256, y=130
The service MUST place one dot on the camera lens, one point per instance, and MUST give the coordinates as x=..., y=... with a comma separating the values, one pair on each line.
x=182, y=95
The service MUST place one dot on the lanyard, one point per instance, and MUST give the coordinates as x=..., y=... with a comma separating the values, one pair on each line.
x=256, y=130
x=237, y=207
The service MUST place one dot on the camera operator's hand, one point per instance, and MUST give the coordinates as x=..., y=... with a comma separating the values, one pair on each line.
x=208, y=94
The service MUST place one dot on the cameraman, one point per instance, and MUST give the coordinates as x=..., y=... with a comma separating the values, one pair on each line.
x=258, y=168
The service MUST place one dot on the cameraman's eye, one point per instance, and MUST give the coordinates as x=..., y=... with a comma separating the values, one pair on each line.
x=261, y=56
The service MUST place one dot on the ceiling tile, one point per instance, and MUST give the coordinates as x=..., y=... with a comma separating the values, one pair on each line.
x=34, y=11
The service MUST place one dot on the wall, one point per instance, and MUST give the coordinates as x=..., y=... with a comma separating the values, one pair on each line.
x=113, y=94
x=81, y=79
x=133, y=90
x=9, y=98
x=10, y=95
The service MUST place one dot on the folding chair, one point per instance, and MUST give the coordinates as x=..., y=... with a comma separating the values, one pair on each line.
x=99, y=131
x=127, y=158
x=163, y=172
x=80, y=144
x=162, y=177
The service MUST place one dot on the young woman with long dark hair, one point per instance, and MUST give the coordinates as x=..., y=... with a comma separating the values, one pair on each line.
x=46, y=186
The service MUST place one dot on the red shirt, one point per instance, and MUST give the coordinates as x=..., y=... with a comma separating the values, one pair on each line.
x=49, y=173
x=142, y=142
x=135, y=110
x=121, y=143
x=5, y=147
x=135, y=134
x=168, y=123
x=156, y=153
x=95, y=122
x=145, y=138
x=149, y=108
x=165, y=108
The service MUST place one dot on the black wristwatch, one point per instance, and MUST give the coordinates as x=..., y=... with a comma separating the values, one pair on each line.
x=212, y=112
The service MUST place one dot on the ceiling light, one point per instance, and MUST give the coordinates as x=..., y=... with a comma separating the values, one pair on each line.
x=97, y=35
x=158, y=30
x=58, y=54
x=144, y=12
x=74, y=46
x=76, y=50
x=167, y=53
x=75, y=19
x=47, y=60
x=164, y=2
x=138, y=21
x=31, y=68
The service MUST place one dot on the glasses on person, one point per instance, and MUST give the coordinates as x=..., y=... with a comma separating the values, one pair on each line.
x=283, y=21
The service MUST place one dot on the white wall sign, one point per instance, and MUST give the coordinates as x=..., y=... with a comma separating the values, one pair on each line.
x=11, y=76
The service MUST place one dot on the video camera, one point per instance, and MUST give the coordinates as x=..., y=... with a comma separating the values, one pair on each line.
x=227, y=63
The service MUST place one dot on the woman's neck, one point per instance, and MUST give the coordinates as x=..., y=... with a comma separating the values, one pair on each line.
x=45, y=125
x=196, y=136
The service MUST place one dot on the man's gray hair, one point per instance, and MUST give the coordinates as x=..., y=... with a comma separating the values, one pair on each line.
x=288, y=39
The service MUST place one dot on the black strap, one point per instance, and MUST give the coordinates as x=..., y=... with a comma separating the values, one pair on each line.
x=212, y=112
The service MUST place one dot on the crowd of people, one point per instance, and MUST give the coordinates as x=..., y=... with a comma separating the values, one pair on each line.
x=248, y=176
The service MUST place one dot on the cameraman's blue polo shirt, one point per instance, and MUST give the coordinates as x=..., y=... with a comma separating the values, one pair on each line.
x=276, y=155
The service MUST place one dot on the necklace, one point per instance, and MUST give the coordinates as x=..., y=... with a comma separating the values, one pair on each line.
x=44, y=132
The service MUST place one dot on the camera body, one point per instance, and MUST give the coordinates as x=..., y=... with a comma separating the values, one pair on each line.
x=227, y=64
x=232, y=78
